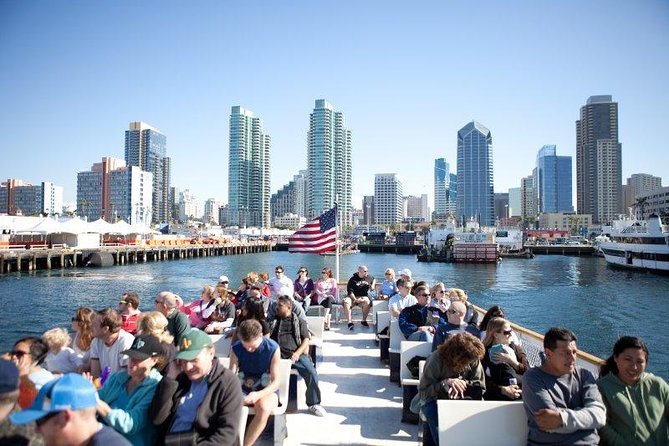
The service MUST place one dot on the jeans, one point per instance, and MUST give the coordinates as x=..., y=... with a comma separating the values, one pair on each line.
x=420, y=335
x=430, y=412
x=305, y=367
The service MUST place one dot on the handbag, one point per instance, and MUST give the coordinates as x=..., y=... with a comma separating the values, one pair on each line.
x=188, y=438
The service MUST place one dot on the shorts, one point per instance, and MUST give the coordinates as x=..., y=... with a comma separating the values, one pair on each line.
x=349, y=301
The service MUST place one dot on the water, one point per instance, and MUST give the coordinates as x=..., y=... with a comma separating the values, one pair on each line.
x=598, y=303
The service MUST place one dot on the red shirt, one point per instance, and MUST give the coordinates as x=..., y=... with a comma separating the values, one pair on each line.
x=129, y=323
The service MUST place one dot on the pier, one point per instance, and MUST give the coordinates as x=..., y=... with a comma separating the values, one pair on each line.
x=17, y=258
x=565, y=250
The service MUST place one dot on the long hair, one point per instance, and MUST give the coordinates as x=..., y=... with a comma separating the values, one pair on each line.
x=494, y=327
x=253, y=310
x=494, y=311
x=84, y=317
x=461, y=350
x=620, y=346
x=154, y=323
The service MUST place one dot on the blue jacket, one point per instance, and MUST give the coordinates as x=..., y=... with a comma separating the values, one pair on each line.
x=131, y=420
x=416, y=316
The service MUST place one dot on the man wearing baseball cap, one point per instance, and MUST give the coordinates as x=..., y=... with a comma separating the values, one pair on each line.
x=204, y=401
x=64, y=412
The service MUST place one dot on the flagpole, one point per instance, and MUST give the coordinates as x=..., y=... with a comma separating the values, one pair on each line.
x=337, y=241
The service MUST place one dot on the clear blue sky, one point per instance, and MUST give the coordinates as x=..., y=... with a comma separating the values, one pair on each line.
x=407, y=76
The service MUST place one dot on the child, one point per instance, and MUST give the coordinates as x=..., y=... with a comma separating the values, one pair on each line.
x=61, y=358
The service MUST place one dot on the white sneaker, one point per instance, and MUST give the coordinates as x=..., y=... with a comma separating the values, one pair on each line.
x=317, y=410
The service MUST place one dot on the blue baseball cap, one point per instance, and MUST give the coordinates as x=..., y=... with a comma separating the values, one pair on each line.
x=71, y=391
x=9, y=376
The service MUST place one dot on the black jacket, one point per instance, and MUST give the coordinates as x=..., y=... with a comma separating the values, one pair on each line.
x=217, y=419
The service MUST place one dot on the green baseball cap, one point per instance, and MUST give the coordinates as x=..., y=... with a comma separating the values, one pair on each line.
x=192, y=344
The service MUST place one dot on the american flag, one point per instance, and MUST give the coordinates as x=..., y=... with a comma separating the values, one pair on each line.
x=317, y=236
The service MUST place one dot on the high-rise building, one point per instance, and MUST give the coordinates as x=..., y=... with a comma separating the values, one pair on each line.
x=654, y=202
x=290, y=199
x=417, y=209
x=145, y=147
x=441, y=179
x=20, y=198
x=113, y=191
x=598, y=160
x=388, y=199
x=445, y=189
x=368, y=210
x=328, y=163
x=637, y=184
x=501, y=205
x=475, y=193
x=211, y=206
x=528, y=204
x=248, y=173
x=514, y=202
x=552, y=181
x=189, y=208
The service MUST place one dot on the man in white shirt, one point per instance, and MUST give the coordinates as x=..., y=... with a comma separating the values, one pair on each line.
x=280, y=285
x=108, y=343
x=402, y=299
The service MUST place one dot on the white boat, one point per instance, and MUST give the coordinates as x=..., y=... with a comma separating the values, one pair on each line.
x=641, y=245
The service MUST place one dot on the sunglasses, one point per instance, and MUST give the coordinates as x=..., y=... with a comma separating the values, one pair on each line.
x=278, y=272
x=122, y=302
x=441, y=291
x=507, y=332
x=18, y=354
x=301, y=271
x=45, y=418
x=76, y=319
x=452, y=311
x=158, y=301
x=422, y=295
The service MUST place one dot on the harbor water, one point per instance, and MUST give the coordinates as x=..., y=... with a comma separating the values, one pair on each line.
x=597, y=302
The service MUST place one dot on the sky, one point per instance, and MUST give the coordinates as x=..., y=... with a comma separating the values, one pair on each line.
x=406, y=75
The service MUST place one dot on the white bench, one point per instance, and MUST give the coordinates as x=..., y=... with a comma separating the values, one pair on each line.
x=409, y=349
x=279, y=413
x=316, y=327
x=222, y=345
x=481, y=423
x=378, y=306
x=396, y=337
x=383, y=322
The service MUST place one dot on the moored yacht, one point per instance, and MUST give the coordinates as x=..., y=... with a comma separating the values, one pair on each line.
x=642, y=245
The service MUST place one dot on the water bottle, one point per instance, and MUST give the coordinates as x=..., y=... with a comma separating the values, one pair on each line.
x=513, y=382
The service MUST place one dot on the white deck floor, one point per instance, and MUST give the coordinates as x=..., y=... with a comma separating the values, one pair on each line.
x=364, y=407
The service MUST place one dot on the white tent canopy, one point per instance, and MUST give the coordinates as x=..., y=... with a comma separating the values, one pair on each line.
x=75, y=226
x=46, y=226
x=101, y=227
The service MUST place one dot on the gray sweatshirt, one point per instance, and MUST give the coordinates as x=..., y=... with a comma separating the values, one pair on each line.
x=575, y=396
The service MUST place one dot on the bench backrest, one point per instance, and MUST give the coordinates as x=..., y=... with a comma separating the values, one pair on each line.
x=382, y=320
x=378, y=305
x=481, y=423
x=222, y=345
x=316, y=326
x=409, y=349
x=396, y=335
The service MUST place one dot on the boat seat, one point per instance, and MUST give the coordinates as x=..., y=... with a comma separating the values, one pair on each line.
x=481, y=423
x=409, y=349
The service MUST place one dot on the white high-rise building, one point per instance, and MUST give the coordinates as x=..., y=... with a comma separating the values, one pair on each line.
x=388, y=199
x=328, y=163
x=131, y=195
x=417, y=208
x=188, y=206
x=211, y=210
x=249, y=171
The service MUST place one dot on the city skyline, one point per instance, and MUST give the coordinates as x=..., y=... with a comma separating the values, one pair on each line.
x=404, y=93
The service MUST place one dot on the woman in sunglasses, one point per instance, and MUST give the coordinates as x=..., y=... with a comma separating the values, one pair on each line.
x=504, y=360
x=28, y=354
x=303, y=288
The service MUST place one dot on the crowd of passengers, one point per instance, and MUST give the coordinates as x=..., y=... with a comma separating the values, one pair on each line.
x=144, y=378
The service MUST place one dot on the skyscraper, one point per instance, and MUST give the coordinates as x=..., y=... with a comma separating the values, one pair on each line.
x=113, y=191
x=441, y=179
x=248, y=174
x=445, y=189
x=637, y=184
x=145, y=147
x=552, y=181
x=528, y=204
x=20, y=198
x=598, y=160
x=475, y=174
x=388, y=199
x=328, y=163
